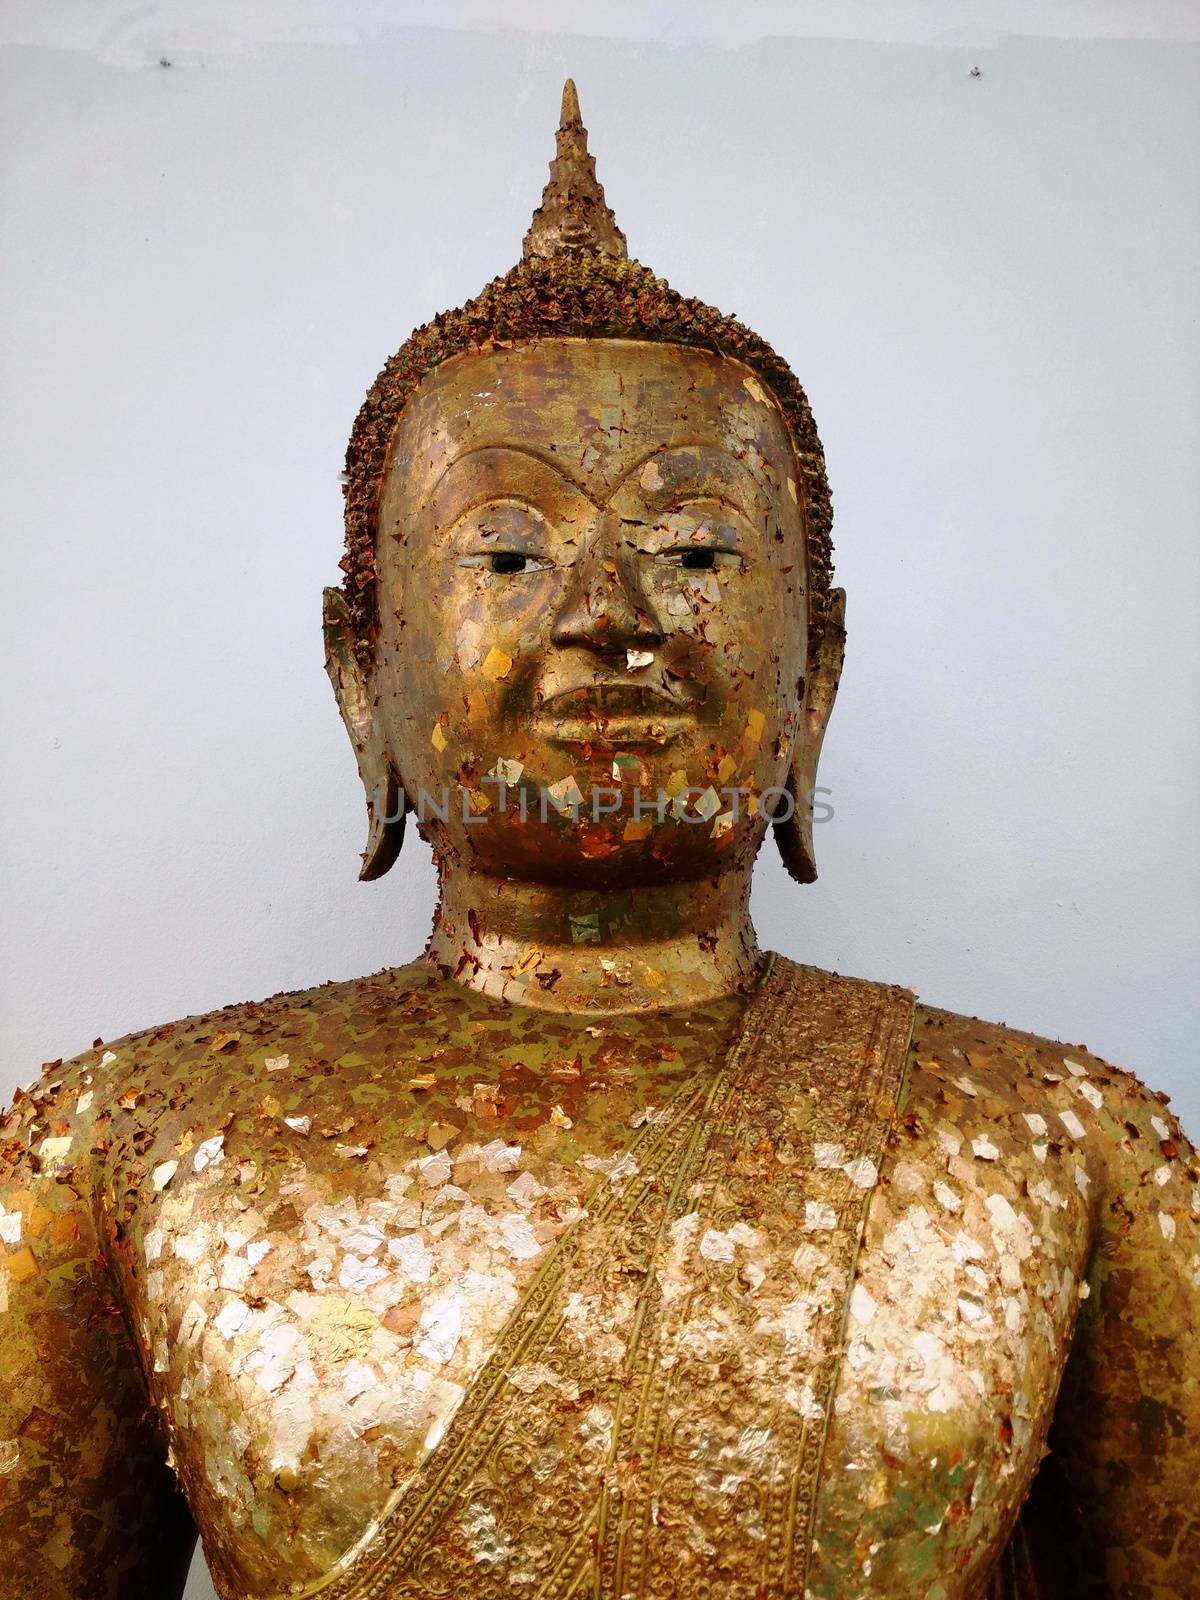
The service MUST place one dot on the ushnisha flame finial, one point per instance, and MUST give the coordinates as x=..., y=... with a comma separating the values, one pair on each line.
x=573, y=214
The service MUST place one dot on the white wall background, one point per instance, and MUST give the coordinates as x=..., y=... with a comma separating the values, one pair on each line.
x=987, y=284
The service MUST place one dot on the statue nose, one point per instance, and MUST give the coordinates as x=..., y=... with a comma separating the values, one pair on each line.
x=603, y=608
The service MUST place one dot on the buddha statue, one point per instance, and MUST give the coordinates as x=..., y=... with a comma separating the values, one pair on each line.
x=595, y=1252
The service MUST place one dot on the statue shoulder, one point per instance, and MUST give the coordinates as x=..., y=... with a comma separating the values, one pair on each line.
x=1056, y=1097
x=67, y=1123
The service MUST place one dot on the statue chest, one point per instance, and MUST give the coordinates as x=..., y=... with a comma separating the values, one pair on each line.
x=539, y=1362
x=650, y=1317
x=319, y=1365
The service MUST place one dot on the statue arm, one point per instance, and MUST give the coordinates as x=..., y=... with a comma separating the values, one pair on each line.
x=89, y=1509
x=1127, y=1427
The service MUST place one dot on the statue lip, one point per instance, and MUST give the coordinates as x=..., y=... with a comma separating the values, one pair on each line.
x=601, y=701
x=605, y=715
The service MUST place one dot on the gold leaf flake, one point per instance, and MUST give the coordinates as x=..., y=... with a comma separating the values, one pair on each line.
x=162, y=1175
x=437, y=738
x=277, y=1063
x=708, y=804
x=946, y=1197
x=209, y=1153
x=566, y=793
x=496, y=664
x=349, y=1327
x=231, y=1318
x=828, y=1156
x=423, y=1080
x=863, y=1173
x=1072, y=1124
x=192, y=1325
x=862, y=1305
x=21, y=1265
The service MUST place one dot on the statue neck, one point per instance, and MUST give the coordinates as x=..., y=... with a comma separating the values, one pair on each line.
x=568, y=949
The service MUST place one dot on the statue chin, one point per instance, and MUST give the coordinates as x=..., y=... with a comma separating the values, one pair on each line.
x=597, y=1250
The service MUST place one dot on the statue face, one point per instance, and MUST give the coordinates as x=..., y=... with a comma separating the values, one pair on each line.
x=591, y=569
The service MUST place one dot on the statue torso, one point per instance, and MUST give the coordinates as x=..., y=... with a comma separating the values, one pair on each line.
x=329, y=1207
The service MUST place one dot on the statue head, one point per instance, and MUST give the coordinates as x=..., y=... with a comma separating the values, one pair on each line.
x=586, y=633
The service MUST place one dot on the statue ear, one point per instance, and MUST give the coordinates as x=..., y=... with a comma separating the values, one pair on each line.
x=795, y=837
x=385, y=793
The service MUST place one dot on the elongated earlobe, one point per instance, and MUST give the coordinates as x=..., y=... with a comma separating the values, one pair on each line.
x=385, y=827
x=380, y=779
x=794, y=836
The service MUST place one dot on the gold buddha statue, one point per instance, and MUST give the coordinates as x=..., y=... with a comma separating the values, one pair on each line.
x=594, y=1253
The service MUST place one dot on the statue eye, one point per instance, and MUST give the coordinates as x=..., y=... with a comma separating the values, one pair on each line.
x=699, y=558
x=703, y=537
x=504, y=538
x=508, y=561
x=505, y=563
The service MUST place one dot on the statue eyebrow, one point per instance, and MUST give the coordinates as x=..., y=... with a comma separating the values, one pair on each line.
x=701, y=456
x=530, y=452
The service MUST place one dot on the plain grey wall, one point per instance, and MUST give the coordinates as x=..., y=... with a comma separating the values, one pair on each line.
x=987, y=284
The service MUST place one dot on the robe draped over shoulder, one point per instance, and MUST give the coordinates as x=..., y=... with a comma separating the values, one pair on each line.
x=659, y=1399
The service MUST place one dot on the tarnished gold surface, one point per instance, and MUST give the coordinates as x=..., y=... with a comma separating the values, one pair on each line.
x=592, y=1254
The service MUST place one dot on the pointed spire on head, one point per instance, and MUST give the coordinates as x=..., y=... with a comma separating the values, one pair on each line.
x=573, y=214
